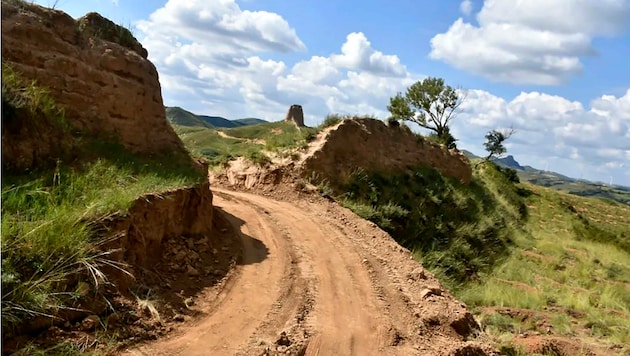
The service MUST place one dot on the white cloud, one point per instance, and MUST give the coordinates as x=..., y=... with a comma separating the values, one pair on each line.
x=534, y=41
x=217, y=49
x=591, y=142
x=357, y=53
x=217, y=74
x=234, y=31
x=466, y=7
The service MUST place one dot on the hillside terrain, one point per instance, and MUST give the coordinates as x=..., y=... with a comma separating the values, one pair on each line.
x=545, y=272
x=563, y=183
x=94, y=182
x=356, y=237
x=110, y=236
x=181, y=117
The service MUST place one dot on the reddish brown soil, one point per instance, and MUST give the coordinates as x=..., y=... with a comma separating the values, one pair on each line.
x=315, y=279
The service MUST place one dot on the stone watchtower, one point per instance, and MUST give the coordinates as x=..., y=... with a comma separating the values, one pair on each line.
x=295, y=115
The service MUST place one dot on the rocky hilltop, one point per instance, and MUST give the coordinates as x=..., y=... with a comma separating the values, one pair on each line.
x=94, y=69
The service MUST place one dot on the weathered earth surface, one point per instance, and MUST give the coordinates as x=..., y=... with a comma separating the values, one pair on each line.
x=372, y=146
x=316, y=279
x=339, y=151
x=140, y=236
x=95, y=70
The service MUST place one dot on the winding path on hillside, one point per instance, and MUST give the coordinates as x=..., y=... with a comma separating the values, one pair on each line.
x=304, y=271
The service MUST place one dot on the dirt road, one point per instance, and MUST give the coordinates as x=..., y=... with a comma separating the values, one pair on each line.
x=315, y=279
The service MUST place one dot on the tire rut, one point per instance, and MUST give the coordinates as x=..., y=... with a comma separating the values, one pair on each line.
x=316, y=280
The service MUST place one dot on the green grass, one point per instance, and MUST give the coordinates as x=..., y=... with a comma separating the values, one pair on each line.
x=216, y=149
x=570, y=255
x=19, y=93
x=499, y=244
x=332, y=120
x=255, y=142
x=582, y=188
x=47, y=223
x=459, y=231
x=276, y=135
x=48, y=214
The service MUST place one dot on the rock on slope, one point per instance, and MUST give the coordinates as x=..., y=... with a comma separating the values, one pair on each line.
x=94, y=69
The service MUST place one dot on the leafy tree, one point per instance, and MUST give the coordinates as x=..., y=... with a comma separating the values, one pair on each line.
x=494, y=142
x=431, y=104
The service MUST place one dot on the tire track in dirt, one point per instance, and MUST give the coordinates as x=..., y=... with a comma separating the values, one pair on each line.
x=241, y=307
x=348, y=318
x=309, y=270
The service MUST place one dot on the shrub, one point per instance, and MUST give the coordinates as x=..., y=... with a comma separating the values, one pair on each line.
x=457, y=229
x=331, y=120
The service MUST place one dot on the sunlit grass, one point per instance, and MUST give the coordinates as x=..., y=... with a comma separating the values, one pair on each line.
x=566, y=266
x=47, y=224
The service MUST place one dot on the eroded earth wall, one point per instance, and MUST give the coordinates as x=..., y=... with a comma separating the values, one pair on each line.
x=370, y=145
x=94, y=69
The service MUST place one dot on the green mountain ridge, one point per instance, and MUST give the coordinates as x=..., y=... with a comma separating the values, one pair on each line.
x=563, y=183
x=179, y=116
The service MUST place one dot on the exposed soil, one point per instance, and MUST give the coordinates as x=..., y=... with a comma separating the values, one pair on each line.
x=315, y=279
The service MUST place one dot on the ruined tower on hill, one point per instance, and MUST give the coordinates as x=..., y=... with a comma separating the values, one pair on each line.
x=296, y=115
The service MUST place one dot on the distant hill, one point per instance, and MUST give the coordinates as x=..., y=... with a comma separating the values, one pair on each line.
x=509, y=161
x=250, y=121
x=182, y=117
x=179, y=116
x=563, y=183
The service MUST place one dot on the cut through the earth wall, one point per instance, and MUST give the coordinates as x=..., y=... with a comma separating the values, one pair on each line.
x=139, y=235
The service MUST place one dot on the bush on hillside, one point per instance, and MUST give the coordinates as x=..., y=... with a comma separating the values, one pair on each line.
x=331, y=120
x=456, y=229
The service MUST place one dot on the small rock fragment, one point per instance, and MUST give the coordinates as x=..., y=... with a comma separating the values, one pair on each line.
x=90, y=323
x=417, y=274
x=427, y=292
x=283, y=340
x=192, y=271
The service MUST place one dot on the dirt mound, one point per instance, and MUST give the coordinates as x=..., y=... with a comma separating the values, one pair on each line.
x=370, y=145
x=95, y=71
x=341, y=150
x=140, y=235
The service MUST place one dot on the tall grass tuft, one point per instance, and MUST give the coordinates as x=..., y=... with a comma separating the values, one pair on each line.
x=47, y=224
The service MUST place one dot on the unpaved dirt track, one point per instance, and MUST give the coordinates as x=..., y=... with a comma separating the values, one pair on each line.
x=302, y=274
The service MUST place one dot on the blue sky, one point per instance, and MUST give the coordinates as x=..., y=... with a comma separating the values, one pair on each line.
x=556, y=70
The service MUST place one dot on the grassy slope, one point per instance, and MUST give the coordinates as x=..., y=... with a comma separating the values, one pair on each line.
x=256, y=142
x=499, y=245
x=181, y=117
x=495, y=244
x=47, y=215
x=570, y=261
x=578, y=187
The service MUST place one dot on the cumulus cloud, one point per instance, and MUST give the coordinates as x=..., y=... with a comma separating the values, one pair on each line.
x=218, y=50
x=466, y=7
x=214, y=58
x=188, y=23
x=552, y=131
x=357, y=53
x=534, y=41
